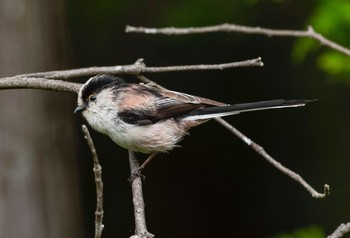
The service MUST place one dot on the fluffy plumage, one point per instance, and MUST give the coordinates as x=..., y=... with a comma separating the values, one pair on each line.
x=147, y=119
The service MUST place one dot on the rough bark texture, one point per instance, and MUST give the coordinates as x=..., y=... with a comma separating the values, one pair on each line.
x=38, y=182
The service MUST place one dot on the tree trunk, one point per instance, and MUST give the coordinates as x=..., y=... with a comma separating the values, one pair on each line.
x=39, y=195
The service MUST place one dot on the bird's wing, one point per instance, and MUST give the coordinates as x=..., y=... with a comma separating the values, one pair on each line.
x=175, y=104
x=148, y=104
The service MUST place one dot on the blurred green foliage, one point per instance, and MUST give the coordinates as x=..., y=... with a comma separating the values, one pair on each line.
x=307, y=232
x=332, y=20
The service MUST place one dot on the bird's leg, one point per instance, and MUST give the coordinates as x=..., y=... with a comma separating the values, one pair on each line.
x=137, y=172
x=146, y=162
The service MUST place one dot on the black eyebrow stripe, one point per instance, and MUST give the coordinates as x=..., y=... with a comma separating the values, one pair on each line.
x=98, y=83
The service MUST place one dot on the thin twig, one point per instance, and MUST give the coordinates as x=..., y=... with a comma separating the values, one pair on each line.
x=139, y=205
x=309, y=33
x=140, y=67
x=99, y=185
x=340, y=231
x=45, y=80
x=272, y=161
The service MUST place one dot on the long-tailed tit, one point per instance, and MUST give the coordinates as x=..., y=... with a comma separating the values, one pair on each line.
x=149, y=119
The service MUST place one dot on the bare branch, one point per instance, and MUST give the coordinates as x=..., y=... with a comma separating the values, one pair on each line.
x=17, y=82
x=50, y=80
x=140, y=67
x=139, y=205
x=272, y=161
x=202, y=67
x=340, y=231
x=309, y=33
x=99, y=185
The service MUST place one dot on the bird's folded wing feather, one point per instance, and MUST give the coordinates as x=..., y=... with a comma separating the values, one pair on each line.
x=151, y=106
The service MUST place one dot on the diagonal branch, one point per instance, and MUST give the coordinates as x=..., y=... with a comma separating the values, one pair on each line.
x=272, y=161
x=309, y=33
x=341, y=230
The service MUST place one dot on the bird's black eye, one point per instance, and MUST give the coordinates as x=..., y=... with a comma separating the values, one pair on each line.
x=92, y=97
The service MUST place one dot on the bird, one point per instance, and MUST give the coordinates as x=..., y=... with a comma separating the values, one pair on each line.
x=150, y=119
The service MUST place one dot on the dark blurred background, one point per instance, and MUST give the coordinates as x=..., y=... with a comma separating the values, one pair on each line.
x=214, y=185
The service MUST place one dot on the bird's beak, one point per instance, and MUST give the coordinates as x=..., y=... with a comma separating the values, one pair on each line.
x=79, y=109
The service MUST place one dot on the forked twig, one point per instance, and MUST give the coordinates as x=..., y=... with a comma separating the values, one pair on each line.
x=99, y=185
x=309, y=33
x=272, y=161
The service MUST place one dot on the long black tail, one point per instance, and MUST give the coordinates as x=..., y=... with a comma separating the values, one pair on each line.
x=212, y=112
